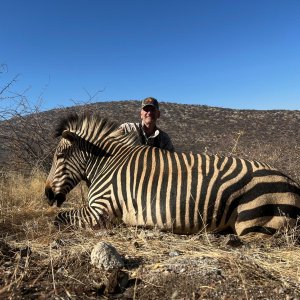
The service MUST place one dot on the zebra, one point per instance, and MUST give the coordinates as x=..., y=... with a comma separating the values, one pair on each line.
x=144, y=186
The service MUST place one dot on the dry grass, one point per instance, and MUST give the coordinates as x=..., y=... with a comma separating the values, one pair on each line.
x=38, y=261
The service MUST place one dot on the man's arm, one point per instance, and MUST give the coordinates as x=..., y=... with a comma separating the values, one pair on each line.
x=129, y=127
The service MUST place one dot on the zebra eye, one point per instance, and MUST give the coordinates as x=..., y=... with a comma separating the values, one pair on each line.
x=60, y=155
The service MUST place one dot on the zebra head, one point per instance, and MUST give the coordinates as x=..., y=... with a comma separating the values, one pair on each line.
x=68, y=168
x=84, y=140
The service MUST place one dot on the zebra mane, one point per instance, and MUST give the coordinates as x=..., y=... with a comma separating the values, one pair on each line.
x=94, y=128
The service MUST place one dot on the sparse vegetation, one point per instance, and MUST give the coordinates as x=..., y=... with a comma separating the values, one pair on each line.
x=37, y=261
x=269, y=136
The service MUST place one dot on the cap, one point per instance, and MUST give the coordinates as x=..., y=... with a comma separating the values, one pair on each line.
x=150, y=101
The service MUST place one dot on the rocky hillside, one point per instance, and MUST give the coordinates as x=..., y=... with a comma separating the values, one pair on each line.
x=271, y=136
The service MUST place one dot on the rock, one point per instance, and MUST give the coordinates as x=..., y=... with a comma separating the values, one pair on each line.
x=105, y=256
x=174, y=253
x=233, y=241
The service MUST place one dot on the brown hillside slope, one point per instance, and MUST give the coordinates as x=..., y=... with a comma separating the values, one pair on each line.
x=271, y=136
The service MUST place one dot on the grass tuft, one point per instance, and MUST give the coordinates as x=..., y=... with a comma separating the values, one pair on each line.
x=157, y=265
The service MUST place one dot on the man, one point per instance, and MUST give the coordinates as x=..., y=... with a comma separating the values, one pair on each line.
x=147, y=130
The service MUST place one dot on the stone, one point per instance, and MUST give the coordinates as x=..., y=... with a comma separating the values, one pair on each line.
x=105, y=256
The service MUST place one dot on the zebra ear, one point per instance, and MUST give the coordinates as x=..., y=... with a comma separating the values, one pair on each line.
x=70, y=136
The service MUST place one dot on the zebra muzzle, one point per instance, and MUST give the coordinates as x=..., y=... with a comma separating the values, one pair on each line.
x=51, y=197
x=60, y=199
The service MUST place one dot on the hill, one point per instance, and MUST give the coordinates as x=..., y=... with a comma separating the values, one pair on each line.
x=272, y=136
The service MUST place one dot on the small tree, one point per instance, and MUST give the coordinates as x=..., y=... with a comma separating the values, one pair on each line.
x=24, y=134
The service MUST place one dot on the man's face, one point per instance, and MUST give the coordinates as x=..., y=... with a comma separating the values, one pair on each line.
x=149, y=114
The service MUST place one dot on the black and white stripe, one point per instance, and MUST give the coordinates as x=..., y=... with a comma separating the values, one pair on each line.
x=179, y=192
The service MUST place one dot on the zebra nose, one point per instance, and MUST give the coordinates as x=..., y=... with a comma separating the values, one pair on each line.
x=60, y=199
x=50, y=195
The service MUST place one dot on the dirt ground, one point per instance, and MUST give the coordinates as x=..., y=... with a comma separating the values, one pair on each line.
x=39, y=262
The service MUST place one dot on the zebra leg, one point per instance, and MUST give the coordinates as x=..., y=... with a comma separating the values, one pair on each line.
x=268, y=209
x=254, y=227
x=82, y=218
x=264, y=226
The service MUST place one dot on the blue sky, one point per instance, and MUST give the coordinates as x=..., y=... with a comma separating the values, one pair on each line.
x=225, y=53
